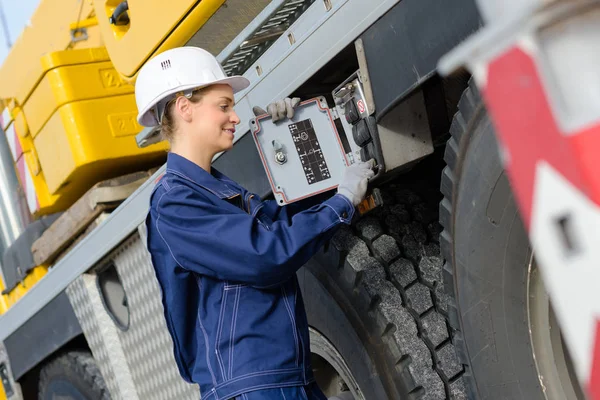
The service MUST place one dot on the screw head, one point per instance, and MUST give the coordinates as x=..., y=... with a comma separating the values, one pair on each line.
x=280, y=157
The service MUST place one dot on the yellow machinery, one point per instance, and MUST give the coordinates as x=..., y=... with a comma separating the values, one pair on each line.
x=70, y=115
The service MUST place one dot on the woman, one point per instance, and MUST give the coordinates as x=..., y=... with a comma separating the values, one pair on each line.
x=226, y=261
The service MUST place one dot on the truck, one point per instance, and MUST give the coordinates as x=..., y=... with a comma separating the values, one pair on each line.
x=434, y=294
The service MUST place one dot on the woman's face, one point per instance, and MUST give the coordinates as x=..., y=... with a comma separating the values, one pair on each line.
x=213, y=119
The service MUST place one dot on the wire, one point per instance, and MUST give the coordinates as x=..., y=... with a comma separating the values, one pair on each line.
x=5, y=25
x=77, y=23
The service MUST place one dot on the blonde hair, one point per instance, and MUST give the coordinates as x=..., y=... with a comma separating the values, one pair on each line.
x=167, y=124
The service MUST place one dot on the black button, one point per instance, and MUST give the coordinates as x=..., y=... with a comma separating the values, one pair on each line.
x=351, y=113
x=344, y=214
x=361, y=134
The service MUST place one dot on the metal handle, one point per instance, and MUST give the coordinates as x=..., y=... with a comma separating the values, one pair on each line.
x=119, y=16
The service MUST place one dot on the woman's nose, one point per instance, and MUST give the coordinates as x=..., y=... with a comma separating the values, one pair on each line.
x=234, y=118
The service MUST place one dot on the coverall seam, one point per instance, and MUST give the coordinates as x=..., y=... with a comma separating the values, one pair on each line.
x=260, y=373
x=336, y=213
x=236, y=304
x=257, y=209
x=304, y=391
x=158, y=219
x=348, y=202
x=229, y=192
x=264, y=386
x=219, y=331
x=206, y=343
x=288, y=308
x=236, y=286
x=332, y=224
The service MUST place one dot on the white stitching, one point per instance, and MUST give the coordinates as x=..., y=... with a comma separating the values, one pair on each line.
x=158, y=218
x=257, y=209
x=336, y=213
x=212, y=374
x=264, y=386
x=282, y=393
x=236, y=305
x=219, y=330
x=225, y=193
x=347, y=201
x=261, y=373
x=293, y=320
x=237, y=286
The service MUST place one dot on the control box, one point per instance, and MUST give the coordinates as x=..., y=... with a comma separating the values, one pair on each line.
x=305, y=155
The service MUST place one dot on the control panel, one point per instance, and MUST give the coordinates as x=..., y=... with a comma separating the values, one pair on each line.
x=305, y=155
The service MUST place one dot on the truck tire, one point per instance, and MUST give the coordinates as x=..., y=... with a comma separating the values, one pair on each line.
x=73, y=375
x=489, y=272
x=375, y=293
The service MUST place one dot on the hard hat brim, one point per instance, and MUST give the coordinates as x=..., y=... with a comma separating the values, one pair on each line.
x=148, y=119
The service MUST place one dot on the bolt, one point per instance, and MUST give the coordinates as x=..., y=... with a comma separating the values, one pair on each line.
x=280, y=157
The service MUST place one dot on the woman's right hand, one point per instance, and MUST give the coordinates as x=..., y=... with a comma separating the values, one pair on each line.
x=355, y=181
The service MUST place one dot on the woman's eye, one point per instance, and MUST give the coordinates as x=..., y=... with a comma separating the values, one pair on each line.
x=224, y=107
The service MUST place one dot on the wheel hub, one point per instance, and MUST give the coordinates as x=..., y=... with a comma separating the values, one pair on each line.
x=331, y=371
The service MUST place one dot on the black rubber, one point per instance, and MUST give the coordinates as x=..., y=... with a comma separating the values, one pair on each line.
x=72, y=375
x=487, y=256
x=385, y=274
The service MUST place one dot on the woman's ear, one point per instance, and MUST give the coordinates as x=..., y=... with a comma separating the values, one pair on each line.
x=183, y=108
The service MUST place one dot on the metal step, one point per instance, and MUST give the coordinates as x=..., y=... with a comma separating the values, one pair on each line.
x=253, y=41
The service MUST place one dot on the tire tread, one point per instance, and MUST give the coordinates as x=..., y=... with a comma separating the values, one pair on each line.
x=80, y=363
x=469, y=106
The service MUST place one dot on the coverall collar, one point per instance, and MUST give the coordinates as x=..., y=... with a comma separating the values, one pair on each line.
x=214, y=182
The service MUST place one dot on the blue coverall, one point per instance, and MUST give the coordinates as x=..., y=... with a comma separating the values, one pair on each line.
x=226, y=263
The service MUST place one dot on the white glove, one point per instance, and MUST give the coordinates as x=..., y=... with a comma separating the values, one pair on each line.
x=279, y=110
x=355, y=180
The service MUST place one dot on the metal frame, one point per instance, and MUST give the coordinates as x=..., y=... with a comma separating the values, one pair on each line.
x=320, y=33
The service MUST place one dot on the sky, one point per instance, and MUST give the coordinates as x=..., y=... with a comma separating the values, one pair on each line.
x=17, y=13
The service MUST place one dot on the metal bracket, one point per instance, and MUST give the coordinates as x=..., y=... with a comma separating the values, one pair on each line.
x=148, y=136
x=79, y=35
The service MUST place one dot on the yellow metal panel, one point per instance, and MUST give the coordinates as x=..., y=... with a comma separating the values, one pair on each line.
x=84, y=23
x=49, y=203
x=32, y=160
x=21, y=126
x=54, y=152
x=72, y=83
x=152, y=22
x=85, y=142
x=25, y=140
x=33, y=277
x=63, y=58
x=3, y=305
x=2, y=392
x=95, y=39
x=48, y=30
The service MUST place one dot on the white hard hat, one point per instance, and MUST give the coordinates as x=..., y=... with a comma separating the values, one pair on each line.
x=180, y=70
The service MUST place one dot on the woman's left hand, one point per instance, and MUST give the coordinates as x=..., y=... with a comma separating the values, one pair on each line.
x=279, y=110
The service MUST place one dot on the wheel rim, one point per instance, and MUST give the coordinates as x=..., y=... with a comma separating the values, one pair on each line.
x=552, y=360
x=331, y=371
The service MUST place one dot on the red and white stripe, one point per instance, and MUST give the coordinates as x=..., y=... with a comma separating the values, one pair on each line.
x=554, y=173
x=23, y=171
